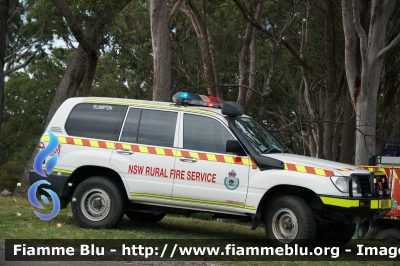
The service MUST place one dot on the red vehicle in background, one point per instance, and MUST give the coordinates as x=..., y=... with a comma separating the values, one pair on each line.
x=388, y=167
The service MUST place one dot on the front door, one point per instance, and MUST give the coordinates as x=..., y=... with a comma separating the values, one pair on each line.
x=206, y=177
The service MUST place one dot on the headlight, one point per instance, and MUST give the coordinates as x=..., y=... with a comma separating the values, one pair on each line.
x=341, y=183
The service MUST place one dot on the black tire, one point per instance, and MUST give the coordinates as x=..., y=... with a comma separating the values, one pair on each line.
x=289, y=211
x=145, y=217
x=334, y=233
x=98, y=202
x=391, y=235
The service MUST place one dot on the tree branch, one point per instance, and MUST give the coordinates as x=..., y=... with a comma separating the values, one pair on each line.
x=296, y=56
x=174, y=11
x=389, y=47
x=361, y=32
x=74, y=26
x=8, y=71
x=77, y=29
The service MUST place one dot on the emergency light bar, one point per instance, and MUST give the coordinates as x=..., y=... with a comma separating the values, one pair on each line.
x=196, y=99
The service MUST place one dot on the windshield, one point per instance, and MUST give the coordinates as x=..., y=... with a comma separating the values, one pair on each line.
x=258, y=136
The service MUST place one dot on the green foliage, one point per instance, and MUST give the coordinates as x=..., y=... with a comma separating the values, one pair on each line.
x=125, y=69
x=28, y=96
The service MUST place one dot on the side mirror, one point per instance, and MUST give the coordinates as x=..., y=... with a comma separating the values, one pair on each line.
x=234, y=147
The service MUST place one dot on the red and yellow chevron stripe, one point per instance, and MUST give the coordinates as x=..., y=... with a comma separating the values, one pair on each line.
x=385, y=169
x=308, y=169
x=153, y=150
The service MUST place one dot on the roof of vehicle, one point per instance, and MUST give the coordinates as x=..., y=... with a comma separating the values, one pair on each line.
x=151, y=104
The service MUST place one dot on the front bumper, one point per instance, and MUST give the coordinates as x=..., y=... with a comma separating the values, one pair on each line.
x=369, y=208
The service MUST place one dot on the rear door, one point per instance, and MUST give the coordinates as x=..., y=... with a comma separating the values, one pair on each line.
x=144, y=153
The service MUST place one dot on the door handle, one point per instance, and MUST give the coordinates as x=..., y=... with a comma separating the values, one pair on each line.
x=124, y=152
x=188, y=159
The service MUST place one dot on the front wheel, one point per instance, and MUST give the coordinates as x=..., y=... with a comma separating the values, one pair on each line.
x=98, y=202
x=289, y=219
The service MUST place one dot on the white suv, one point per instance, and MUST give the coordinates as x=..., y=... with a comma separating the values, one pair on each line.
x=145, y=159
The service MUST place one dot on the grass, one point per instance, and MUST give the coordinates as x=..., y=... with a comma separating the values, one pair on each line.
x=29, y=226
x=171, y=227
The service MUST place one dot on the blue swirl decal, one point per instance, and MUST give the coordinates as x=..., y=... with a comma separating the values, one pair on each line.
x=33, y=200
x=42, y=155
x=38, y=167
x=51, y=163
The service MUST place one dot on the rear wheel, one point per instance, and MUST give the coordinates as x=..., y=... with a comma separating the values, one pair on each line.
x=289, y=219
x=146, y=217
x=334, y=233
x=98, y=202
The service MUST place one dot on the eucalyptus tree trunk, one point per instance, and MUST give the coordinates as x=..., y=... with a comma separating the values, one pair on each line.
x=243, y=63
x=364, y=89
x=253, y=69
x=348, y=133
x=330, y=80
x=204, y=37
x=161, y=44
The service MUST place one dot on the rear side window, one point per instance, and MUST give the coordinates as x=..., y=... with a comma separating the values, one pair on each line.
x=155, y=127
x=130, y=132
x=96, y=121
x=202, y=133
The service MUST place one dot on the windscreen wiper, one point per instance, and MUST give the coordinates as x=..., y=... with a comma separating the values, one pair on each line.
x=272, y=150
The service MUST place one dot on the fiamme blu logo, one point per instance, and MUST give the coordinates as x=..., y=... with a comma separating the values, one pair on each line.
x=39, y=169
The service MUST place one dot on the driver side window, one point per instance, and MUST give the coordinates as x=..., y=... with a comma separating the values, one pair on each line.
x=203, y=133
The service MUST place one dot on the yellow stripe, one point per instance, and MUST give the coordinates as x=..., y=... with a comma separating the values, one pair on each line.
x=375, y=204
x=143, y=149
x=94, y=143
x=194, y=154
x=126, y=146
x=129, y=103
x=160, y=151
x=246, y=161
x=177, y=153
x=301, y=168
x=46, y=138
x=55, y=170
x=207, y=202
x=229, y=159
x=161, y=106
x=319, y=171
x=149, y=195
x=110, y=145
x=198, y=111
x=346, y=203
x=134, y=194
x=211, y=157
x=62, y=140
x=78, y=142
